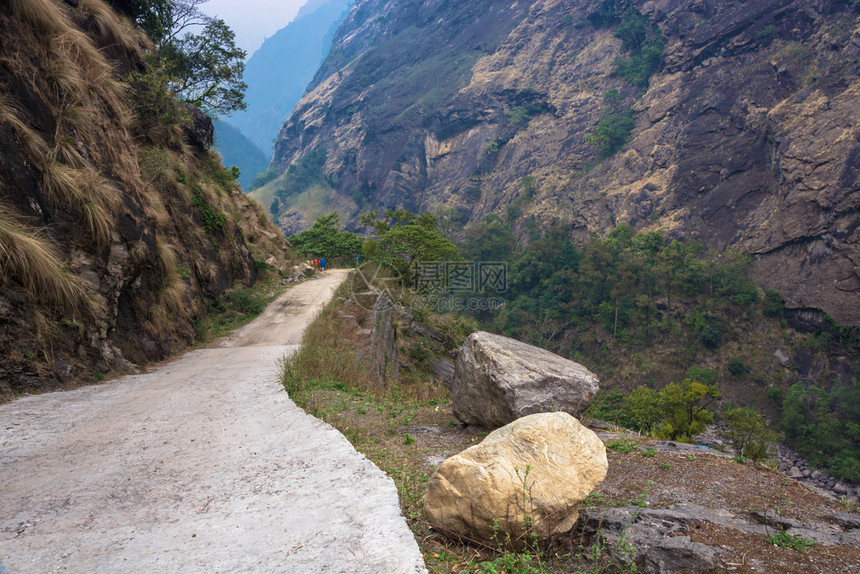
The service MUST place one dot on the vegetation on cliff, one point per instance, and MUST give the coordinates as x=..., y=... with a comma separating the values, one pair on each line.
x=643, y=311
x=716, y=133
x=119, y=226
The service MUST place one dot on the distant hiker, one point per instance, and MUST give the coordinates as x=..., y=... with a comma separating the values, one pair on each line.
x=322, y=264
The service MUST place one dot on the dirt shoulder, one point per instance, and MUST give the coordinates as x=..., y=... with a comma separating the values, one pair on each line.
x=201, y=465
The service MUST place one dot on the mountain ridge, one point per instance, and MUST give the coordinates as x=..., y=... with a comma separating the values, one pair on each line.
x=279, y=71
x=745, y=137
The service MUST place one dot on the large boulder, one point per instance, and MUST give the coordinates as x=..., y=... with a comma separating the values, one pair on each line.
x=498, y=380
x=537, y=468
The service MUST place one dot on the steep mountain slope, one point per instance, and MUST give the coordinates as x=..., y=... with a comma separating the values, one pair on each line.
x=278, y=73
x=747, y=135
x=238, y=150
x=118, y=226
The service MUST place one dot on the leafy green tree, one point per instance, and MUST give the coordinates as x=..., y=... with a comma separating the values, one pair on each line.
x=206, y=69
x=677, y=412
x=748, y=432
x=382, y=222
x=644, y=408
x=686, y=410
x=403, y=246
x=491, y=240
x=325, y=239
x=151, y=16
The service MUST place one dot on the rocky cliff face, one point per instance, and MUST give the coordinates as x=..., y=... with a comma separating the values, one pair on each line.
x=117, y=229
x=747, y=136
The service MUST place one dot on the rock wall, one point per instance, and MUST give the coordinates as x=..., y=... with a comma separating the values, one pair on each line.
x=115, y=234
x=747, y=136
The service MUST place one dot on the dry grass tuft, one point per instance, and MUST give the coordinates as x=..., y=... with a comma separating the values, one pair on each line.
x=167, y=258
x=33, y=144
x=62, y=182
x=86, y=193
x=66, y=151
x=64, y=75
x=33, y=261
x=172, y=295
x=157, y=320
x=111, y=28
x=77, y=46
x=157, y=211
x=43, y=15
x=73, y=114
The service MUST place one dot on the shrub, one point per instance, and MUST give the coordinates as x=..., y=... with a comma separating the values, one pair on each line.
x=614, y=126
x=748, y=433
x=773, y=303
x=737, y=367
x=213, y=219
x=712, y=335
x=702, y=374
x=794, y=541
x=644, y=42
x=246, y=301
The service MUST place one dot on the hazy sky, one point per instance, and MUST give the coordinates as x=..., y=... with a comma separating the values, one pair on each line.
x=253, y=20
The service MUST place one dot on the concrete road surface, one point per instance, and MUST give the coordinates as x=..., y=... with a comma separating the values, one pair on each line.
x=202, y=465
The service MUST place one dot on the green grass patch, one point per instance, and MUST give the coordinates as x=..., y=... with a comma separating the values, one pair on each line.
x=236, y=308
x=785, y=540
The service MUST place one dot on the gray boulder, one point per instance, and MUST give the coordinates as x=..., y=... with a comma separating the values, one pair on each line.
x=200, y=131
x=498, y=380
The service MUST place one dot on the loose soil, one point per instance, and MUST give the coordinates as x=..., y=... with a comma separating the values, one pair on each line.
x=409, y=440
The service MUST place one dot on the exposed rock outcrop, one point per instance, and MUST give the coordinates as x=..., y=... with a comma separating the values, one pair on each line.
x=657, y=540
x=115, y=236
x=200, y=131
x=747, y=137
x=498, y=380
x=537, y=468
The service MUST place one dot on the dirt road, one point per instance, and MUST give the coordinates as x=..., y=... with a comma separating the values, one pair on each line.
x=203, y=465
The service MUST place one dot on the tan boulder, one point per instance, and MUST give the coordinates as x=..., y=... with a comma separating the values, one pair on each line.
x=540, y=466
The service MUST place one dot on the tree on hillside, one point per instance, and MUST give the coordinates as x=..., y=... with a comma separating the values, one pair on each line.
x=677, y=412
x=325, y=239
x=748, y=432
x=204, y=69
x=404, y=239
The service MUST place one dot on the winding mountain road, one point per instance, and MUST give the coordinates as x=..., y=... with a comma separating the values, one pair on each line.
x=202, y=465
